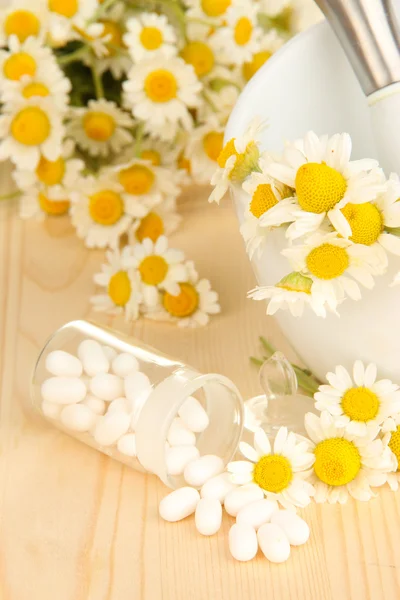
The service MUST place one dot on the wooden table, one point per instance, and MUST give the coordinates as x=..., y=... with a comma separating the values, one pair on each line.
x=75, y=525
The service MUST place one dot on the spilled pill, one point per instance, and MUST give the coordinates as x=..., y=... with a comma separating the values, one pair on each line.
x=63, y=390
x=127, y=444
x=63, y=364
x=78, y=417
x=124, y=364
x=199, y=471
x=177, y=457
x=239, y=498
x=257, y=513
x=95, y=404
x=218, y=487
x=208, y=516
x=180, y=435
x=243, y=543
x=107, y=386
x=273, y=543
x=193, y=415
x=93, y=358
x=179, y=504
x=110, y=428
x=295, y=528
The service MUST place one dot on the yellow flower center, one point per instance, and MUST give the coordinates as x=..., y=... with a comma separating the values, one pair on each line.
x=137, y=179
x=263, y=199
x=337, y=461
x=119, y=288
x=54, y=208
x=106, y=207
x=30, y=126
x=153, y=156
x=215, y=8
x=114, y=32
x=327, y=261
x=151, y=226
x=212, y=144
x=50, y=172
x=153, y=269
x=22, y=23
x=66, y=8
x=273, y=473
x=19, y=64
x=394, y=444
x=98, y=126
x=200, y=56
x=161, y=86
x=249, y=69
x=360, y=404
x=366, y=222
x=184, y=163
x=185, y=304
x=243, y=31
x=319, y=187
x=151, y=38
x=35, y=89
x=227, y=151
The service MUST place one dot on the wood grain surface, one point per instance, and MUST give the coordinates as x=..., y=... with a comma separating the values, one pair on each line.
x=75, y=525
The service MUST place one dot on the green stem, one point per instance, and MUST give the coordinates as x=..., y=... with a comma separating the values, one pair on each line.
x=75, y=56
x=11, y=195
x=139, y=139
x=102, y=9
x=209, y=101
x=97, y=80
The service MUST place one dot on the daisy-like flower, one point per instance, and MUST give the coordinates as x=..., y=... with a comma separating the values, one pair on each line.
x=163, y=219
x=270, y=43
x=100, y=128
x=325, y=180
x=203, y=149
x=24, y=19
x=194, y=304
x=28, y=58
x=238, y=158
x=271, y=203
x=391, y=437
x=239, y=40
x=202, y=53
x=93, y=36
x=65, y=16
x=345, y=464
x=98, y=211
x=122, y=283
x=359, y=402
x=214, y=12
x=161, y=91
x=279, y=471
x=149, y=35
x=34, y=203
x=159, y=153
x=115, y=58
x=53, y=85
x=30, y=129
x=161, y=268
x=293, y=292
x=329, y=261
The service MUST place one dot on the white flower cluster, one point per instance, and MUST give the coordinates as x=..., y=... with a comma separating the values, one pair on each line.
x=341, y=216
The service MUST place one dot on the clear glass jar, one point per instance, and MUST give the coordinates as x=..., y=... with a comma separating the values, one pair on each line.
x=152, y=400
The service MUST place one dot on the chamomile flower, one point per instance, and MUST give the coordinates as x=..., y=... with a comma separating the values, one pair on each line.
x=279, y=471
x=98, y=211
x=148, y=35
x=162, y=219
x=270, y=43
x=202, y=53
x=293, y=292
x=28, y=58
x=213, y=11
x=193, y=305
x=160, y=92
x=94, y=38
x=159, y=153
x=100, y=128
x=160, y=268
x=30, y=129
x=116, y=59
x=358, y=402
x=239, y=39
x=122, y=285
x=391, y=437
x=203, y=149
x=325, y=180
x=65, y=16
x=238, y=158
x=35, y=203
x=345, y=464
x=271, y=204
x=331, y=262
x=24, y=19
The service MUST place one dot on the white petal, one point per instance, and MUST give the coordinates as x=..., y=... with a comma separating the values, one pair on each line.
x=358, y=373
x=280, y=440
x=249, y=452
x=261, y=442
x=370, y=375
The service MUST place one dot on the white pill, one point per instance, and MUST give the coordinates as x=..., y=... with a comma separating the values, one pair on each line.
x=119, y=405
x=63, y=390
x=193, y=415
x=93, y=358
x=243, y=543
x=199, y=471
x=257, y=513
x=208, y=516
x=177, y=457
x=273, y=543
x=240, y=497
x=95, y=404
x=110, y=428
x=63, y=364
x=218, y=487
x=110, y=352
x=124, y=364
x=295, y=528
x=179, y=434
x=78, y=417
x=136, y=384
x=106, y=386
x=51, y=409
x=127, y=444
x=179, y=504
